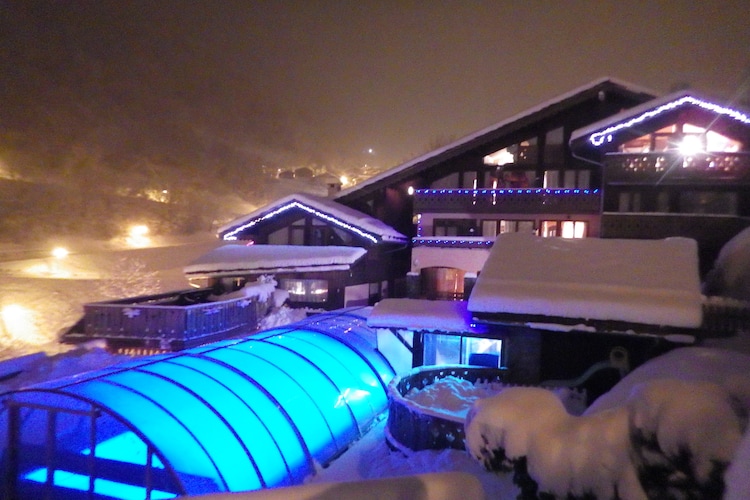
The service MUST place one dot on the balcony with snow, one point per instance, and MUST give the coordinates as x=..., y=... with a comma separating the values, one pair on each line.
x=178, y=320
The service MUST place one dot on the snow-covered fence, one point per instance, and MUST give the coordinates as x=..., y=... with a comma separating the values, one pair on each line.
x=419, y=429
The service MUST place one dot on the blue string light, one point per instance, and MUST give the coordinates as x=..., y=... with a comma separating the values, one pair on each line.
x=454, y=242
x=232, y=235
x=507, y=192
x=599, y=138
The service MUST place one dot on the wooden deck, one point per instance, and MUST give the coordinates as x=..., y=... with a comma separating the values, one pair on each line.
x=166, y=322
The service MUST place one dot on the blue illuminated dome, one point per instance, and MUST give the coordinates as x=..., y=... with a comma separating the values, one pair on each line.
x=236, y=415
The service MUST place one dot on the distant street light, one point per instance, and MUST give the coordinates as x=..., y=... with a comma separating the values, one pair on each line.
x=60, y=253
x=137, y=236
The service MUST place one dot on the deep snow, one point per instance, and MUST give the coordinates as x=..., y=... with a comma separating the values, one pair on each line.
x=52, y=293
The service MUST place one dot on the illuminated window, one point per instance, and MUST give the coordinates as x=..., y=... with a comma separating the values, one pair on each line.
x=565, y=229
x=686, y=138
x=442, y=349
x=306, y=290
x=573, y=229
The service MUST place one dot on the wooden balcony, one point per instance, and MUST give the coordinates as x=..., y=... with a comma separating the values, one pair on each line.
x=167, y=322
x=523, y=201
x=649, y=168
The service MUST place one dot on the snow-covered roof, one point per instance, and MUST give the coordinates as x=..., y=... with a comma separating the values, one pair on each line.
x=651, y=282
x=231, y=259
x=478, y=135
x=418, y=314
x=599, y=132
x=345, y=217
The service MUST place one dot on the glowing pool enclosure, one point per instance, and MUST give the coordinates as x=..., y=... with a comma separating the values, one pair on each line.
x=235, y=415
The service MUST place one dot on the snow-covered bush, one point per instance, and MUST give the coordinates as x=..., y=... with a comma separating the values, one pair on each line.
x=730, y=275
x=668, y=438
x=684, y=435
x=566, y=456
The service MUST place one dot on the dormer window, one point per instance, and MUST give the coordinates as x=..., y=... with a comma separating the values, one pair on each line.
x=686, y=138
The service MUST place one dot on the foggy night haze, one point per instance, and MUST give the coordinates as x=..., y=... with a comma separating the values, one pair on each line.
x=202, y=100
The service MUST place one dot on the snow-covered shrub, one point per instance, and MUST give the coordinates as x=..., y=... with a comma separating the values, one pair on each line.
x=730, y=275
x=566, y=456
x=669, y=439
x=684, y=435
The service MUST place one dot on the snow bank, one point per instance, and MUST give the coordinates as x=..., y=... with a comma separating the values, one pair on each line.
x=231, y=258
x=730, y=276
x=434, y=486
x=669, y=429
x=726, y=368
x=638, y=281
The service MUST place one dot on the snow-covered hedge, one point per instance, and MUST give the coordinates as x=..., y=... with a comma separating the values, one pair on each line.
x=669, y=429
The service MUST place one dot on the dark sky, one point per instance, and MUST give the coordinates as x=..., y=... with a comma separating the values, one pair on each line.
x=289, y=82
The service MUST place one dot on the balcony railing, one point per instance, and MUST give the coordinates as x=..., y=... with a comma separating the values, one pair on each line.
x=527, y=201
x=674, y=166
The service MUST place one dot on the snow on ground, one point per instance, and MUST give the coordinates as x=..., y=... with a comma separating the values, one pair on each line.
x=41, y=297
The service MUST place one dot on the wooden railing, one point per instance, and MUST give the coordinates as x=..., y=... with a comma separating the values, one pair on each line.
x=651, y=167
x=174, y=316
x=527, y=201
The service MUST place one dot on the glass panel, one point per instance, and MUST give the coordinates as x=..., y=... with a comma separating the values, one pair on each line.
x=306, y=290
x=442, y=349
x=707, y=202
x=447, y=182
x=484, y=352
x=489, y=228
x=318, y=385
x=570, y=179
x=584, y=179
x=170, y=436
x=288, y=393
x=208, y=429
x=346, y=371
x=270, y=432
x=265, y=454
x=551, y=178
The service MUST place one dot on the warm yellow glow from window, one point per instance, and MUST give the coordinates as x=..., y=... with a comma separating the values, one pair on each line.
x=690, y=145
x=501, y=157
x=573, y=229
x=410, y=190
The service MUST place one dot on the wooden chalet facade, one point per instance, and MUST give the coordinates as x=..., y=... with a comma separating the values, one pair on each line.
x=678, y=165
x=599, y=161
x=326, y=255
x=516, y=175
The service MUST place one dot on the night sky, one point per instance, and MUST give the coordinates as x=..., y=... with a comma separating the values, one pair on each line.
x=221, y=85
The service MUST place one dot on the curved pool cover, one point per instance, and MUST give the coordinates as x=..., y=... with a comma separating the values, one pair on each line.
x=235, y=415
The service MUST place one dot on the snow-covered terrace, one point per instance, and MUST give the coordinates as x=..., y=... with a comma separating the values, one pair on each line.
x=631, y=283
x=232, y=258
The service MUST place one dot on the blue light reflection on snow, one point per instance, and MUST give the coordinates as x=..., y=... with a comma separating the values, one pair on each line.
x=103, y=487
